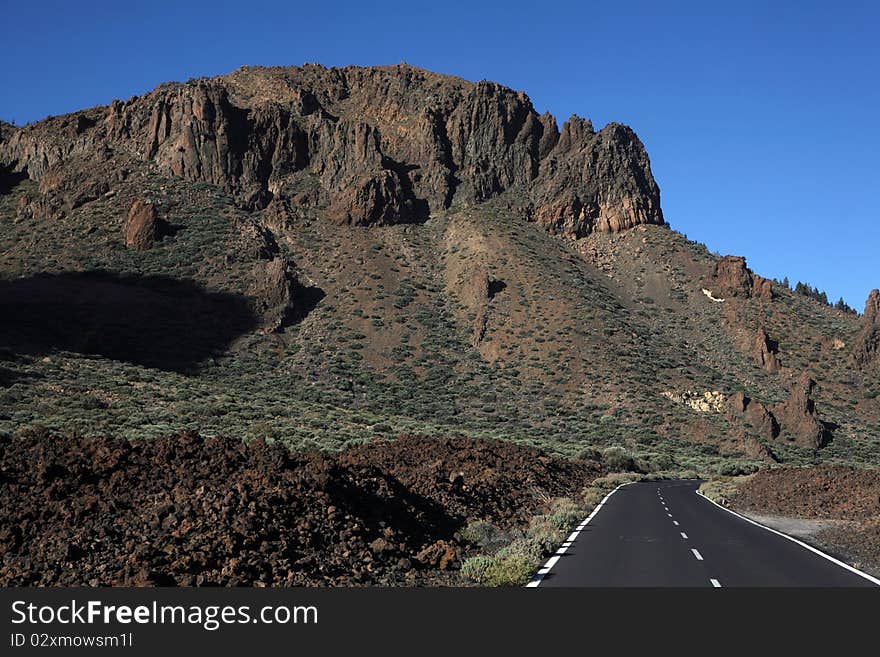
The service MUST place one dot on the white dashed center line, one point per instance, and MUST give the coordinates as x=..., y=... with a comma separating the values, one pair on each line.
x=683, y=535
x=697, y=554
x=675, y=522
x=715, y=583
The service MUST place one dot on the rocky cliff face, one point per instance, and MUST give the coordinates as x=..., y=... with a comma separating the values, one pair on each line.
x=867, y=345
x=367, y=146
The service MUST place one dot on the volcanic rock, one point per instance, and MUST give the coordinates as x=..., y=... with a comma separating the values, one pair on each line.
x=867, y=344
x=440, y=555
x=731, y=278
x=762, y=288
x=798, y=418
x=742, y=408
x=765, y=350
x=142, y=226
x=273, y=290
x=379, y=145
x=187, y=510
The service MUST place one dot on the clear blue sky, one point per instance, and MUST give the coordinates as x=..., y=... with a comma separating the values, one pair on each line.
x=760, y=117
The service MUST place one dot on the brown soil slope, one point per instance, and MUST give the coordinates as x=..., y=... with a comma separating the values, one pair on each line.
x=833, y=493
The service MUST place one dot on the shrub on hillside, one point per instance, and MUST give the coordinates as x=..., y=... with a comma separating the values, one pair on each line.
x=475, y=568
x=618, y=459
x=547, y=535
x=514, y=570
x=529, y=548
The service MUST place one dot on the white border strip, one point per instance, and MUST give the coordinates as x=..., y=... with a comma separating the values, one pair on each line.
x=794, y=540
x=542, y=572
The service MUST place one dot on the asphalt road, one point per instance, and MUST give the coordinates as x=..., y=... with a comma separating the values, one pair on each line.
x=665, y=534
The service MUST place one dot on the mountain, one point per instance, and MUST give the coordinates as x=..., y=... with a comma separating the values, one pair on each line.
x=325, y=256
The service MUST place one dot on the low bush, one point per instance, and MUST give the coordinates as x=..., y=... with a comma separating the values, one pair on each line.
x=485, y=534
x=612, y=481
x=618, y=459
x=527, y=547
x=591, y=496
x=545, y=533
x=475, y=568
x=514, y=570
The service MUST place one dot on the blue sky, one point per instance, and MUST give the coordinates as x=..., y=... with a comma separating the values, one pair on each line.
x=760, y=117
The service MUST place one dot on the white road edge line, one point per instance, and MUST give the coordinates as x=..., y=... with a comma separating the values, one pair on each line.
x=840, y=563
x=697, y=554
x=715, y=583
x=542, y=572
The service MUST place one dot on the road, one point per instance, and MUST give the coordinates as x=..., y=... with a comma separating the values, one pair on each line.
x=665, y=534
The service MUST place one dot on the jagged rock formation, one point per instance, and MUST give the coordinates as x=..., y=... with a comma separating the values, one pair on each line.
x=756, y=449
x=867, y=345
x=142, y=226
x=274, y=292
x=765, y=351
x=762, y=288
x=477, y=292
x=733, y=278
x=798, y=417
x=373, y=146
x=741, y=408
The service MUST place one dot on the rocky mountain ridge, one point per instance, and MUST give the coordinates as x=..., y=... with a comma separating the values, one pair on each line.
x=374, y=146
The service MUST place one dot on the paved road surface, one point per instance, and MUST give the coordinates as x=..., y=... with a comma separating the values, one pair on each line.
x=664, y=534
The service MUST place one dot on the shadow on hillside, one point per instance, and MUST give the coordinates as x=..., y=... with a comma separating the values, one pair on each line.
x=10, y=377
x=153, y=321
x=382, y=500
x=305, y=298
x=9, y=179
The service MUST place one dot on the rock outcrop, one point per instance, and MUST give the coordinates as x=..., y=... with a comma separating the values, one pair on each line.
x=795, y=420
x=866, y=350
x=710, y=401
x=765, y=351
x=142, y=226
x=743, y=409
x=733, y=278
x=273, y=289
x=376, y=146
x=798, y=418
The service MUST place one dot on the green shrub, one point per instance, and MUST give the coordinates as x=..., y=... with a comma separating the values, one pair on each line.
x=475, y=568
x=592, y=496
x=514, y=570
x=527, y=547
x=653, y=462
x=612, y=481
x=484, y=534
x=735, y=469
x=618, y=459
x=545, y=533
x=564, y=512
x=589, y=454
